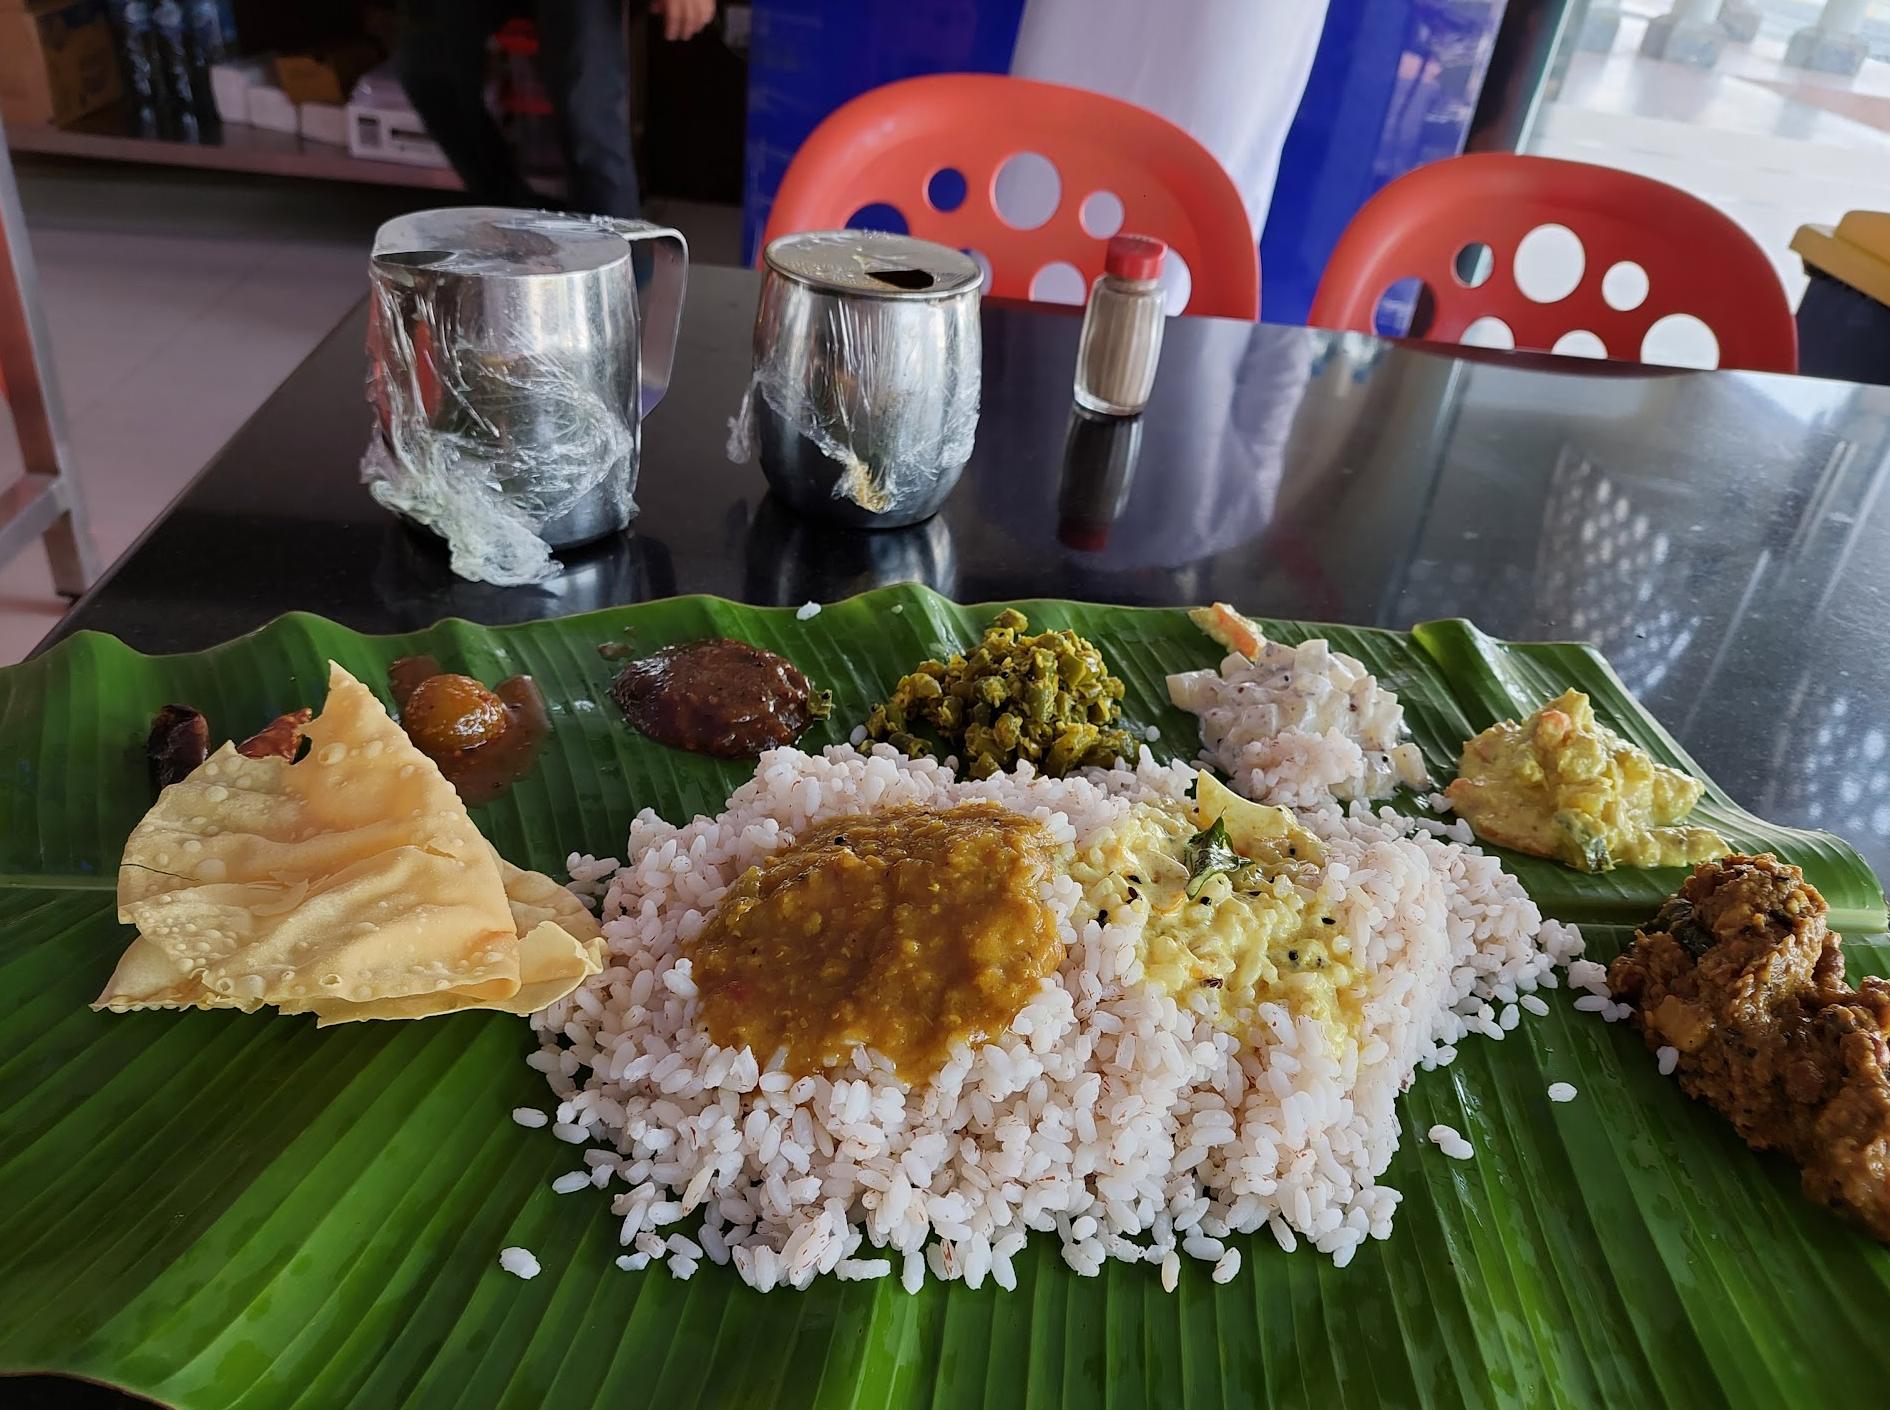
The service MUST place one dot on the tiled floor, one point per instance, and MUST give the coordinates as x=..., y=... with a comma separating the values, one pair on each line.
x=1769, y=145
x=177, y=302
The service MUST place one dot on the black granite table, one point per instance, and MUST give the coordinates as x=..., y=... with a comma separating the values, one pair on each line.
x=1719, y=535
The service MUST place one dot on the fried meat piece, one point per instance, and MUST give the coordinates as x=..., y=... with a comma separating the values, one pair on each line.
x=178, y=742
x=281, y=738
x=1740, y=974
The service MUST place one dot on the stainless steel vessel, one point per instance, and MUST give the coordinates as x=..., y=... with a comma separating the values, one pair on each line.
x=864, y=401
x=514, y=354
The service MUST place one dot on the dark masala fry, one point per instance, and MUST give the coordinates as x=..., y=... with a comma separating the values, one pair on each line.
x=1740, y=974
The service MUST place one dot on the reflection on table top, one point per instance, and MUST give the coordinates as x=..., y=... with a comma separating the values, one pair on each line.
x=1720, y=536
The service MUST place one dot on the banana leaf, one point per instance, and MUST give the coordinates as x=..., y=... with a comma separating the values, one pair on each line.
x=219, y=1210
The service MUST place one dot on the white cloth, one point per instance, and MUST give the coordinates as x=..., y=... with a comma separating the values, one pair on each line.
x=1230, y=72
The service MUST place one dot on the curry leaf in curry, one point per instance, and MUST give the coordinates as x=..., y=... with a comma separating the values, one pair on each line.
x=1209, y=853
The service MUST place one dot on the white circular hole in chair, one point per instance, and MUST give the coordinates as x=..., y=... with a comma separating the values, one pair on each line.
x=1579, y=342
x=1027, y=190
x=1488, y=332
x=1473, y=265
x=1101, y=214
x=1177, y=282
x=1680, y=340
x=1624, y=286
x=1059, y=282
x=1549, y=263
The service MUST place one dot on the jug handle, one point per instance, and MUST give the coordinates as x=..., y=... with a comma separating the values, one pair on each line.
x=659, y=304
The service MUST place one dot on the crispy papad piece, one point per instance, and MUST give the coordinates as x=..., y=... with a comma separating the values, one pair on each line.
x=536, y=898
x=551, y=965
x=561, y=946
x=349, y=877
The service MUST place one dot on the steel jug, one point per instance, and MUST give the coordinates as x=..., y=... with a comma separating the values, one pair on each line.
x=863, y=405
x=513, y=356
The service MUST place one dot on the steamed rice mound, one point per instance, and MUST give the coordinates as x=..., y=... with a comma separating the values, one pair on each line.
x=1300, y=725
x=1109, y=1116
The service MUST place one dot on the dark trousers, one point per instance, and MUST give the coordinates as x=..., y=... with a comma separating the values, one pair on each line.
x=441, y=56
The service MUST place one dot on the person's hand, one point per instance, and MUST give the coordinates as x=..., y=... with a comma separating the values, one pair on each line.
x=684, y=19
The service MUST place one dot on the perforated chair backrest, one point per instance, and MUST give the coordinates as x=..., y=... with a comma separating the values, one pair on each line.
x=1648, y=252
x=917, y=144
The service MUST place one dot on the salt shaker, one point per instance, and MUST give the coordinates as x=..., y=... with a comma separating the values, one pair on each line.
x=1122, y=328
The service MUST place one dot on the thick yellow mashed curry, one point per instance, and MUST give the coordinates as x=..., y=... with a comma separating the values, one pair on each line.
x=911, y=930
x=1562, y=784
x=1250, y=935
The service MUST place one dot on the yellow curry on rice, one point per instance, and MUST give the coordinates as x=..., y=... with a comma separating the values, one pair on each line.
x=1561, y=784
x=914, y=930
x=1226, y=940
x=908, y=931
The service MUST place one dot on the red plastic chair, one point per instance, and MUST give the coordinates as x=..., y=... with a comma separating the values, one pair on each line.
x=915, y=144
x=1696, y=260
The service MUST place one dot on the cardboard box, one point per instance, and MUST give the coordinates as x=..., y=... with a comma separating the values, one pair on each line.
x=324, y=122
x=57, y=60
x=383, y=125
x=230, y=82
x=392, y=135
x=270, y=109
x=325, y=77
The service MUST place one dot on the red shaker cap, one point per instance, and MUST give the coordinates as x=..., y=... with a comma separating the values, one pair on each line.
x=1083, y=535
x=1134, y=257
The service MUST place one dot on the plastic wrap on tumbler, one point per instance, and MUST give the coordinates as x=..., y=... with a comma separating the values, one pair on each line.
x=508, y=377
x=863, y=403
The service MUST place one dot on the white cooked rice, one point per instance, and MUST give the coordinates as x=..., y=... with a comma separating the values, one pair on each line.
x=1107, y=1117
x=1587, y=974
x=519, y=1262
x=1450, y=1141
x=1299, y=725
